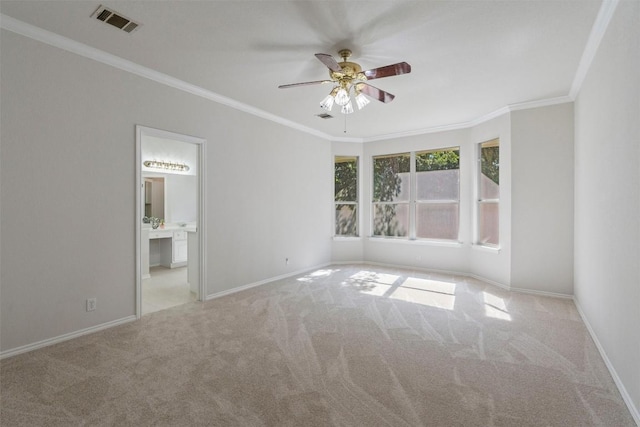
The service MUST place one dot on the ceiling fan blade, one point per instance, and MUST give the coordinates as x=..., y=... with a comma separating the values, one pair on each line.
x=317, y=82
x=328, y=60
x=375, y=93
x=388, y=71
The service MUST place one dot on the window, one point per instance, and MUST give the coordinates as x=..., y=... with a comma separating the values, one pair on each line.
x=416, y=195
x=346, y=195
x=437, y=194
x=391, y=178
x=488, y=193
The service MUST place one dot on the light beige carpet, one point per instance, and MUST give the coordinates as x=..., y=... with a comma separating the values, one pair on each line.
x=344, y=346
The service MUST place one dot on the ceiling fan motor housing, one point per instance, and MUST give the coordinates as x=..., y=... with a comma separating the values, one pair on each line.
x=350, y=71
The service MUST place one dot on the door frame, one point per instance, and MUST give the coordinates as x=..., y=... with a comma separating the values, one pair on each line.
x=201, y=145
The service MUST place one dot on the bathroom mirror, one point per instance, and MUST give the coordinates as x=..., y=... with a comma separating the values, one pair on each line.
x=154, y=197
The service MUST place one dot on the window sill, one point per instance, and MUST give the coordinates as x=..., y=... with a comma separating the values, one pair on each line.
x=417, y=242
x=347, y=238
x=483, y=248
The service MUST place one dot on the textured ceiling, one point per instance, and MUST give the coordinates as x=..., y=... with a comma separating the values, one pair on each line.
x=468, y=58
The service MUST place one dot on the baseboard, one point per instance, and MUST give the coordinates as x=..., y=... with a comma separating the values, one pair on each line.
x=65, y=337
x=623, y=391
x=542, y=293
x=489, y=281
x=263, y=282
x=425, y=270
x=410, y=267
x=458, y=273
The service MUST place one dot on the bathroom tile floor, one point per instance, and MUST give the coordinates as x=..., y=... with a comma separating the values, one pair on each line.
x=166, y=288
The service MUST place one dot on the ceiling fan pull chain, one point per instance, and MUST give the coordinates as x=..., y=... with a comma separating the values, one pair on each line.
x=345, y=123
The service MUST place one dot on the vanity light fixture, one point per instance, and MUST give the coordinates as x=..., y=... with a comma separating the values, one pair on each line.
x=172, y=166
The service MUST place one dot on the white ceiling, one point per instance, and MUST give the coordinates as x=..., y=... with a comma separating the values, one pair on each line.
x=468, y=58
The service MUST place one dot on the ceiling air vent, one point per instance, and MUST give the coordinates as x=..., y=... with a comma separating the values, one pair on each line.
x=324, y=116
x=114, y=18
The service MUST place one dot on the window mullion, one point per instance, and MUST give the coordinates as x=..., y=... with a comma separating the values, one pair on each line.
x=412, y=196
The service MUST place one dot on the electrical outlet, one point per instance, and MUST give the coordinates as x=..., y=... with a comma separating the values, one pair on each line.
x=286, y=261
x=91, y=304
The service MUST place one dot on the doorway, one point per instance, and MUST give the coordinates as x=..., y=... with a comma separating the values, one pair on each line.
x=170, y=226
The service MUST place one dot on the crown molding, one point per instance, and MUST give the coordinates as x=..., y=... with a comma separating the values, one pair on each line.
x=65, y=43
x=415, y=132
x=485, y=118
x=540, y=103
x=600, y=26
x=36, y=33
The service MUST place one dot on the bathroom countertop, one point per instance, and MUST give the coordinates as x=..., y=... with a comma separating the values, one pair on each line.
x=189, y=227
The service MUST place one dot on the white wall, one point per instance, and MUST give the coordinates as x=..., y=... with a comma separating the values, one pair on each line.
x=68, y=181
x=607, y=197
x=542, y=199
x=181, y=193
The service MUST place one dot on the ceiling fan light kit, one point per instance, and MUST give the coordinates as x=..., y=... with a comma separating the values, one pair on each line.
x=347, y=108
x=327, y=103
x=361, y=100
x=349, y=81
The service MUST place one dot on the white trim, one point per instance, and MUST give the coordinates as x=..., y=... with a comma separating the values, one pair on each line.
x=202, y=221
x=417, y=241
x=431, y=270
x=343, y=139
x=485, y=248
x=347, y=238
x=492, y=115
x=457, y=273
x=434, y=129
x=201, y=145
x=64, y=337
x=616, y=379
x=404, y=267
x=44, y=36
x=263, y=282
x=598, y=30
x=52, y=39
x=489, y=281
x=138, y=223
x=475, y=122
x=539, y=103
x=541, y=293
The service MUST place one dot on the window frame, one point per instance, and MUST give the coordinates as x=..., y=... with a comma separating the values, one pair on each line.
x=355, y=203
x=375, y=203
x=495, y=142
x=418, y=202
x=412, y=203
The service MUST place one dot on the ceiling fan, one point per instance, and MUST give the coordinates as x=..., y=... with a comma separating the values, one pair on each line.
x=348, y=79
